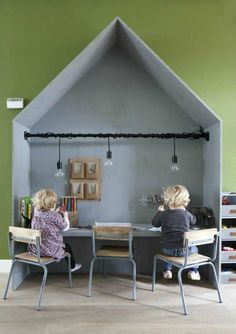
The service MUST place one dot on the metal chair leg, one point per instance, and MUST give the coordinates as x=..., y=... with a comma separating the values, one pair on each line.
x=42, y=288
x=8, y=281
x=90, y=277
x=69, y=271
x=154, y=273
x=182, y=291
x=134, y=280
x=103, y=268
x=216, y=281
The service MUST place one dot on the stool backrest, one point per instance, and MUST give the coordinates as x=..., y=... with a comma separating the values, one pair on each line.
x=200, y=237
x=25, y=235
x=112, y=231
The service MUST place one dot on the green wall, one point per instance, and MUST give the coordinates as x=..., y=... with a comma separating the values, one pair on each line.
x=196, y=38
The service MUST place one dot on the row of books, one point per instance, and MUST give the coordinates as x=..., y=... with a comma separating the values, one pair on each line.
x=70, y=203
x=26, y=211
x=26, y=208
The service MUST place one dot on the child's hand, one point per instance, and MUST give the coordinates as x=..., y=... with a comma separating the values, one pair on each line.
x=161, y=208
x=62, y=208
x=63, y=213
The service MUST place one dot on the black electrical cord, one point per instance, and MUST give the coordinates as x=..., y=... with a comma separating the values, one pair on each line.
x=192, y=135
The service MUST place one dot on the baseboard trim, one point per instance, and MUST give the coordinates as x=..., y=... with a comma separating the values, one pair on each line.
x=5, y=266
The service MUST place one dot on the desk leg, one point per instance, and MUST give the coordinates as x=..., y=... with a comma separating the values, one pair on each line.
x=90, y=277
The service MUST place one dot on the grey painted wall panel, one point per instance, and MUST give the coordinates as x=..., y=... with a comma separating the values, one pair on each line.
x=20, y=167
x=212, y=177
x=21, y=187
x=212, y=183
x=119, y=96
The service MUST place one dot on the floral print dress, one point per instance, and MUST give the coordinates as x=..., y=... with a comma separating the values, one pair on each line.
x=50, y=223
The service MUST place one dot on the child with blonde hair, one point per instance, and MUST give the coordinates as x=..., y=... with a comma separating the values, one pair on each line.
x=51, y=221
x=174, y=221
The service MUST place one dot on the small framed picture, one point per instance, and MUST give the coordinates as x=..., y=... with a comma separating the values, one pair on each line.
x=92, y=170
x=77, y=170
x=92, y=190
x=77, y=189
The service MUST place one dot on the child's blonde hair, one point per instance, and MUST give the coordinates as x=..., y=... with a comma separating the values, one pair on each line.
x=175, y=196
x=44, y=199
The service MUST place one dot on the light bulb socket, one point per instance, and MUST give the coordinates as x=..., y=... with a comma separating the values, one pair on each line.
x=59, y=165
x=109, y=155
x=174, y=159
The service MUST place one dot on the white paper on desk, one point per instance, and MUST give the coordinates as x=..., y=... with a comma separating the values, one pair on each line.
x=113, y=224
x=155, y=229
x=141, y=227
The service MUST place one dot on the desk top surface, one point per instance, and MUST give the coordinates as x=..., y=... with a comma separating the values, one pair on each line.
x=138, y=231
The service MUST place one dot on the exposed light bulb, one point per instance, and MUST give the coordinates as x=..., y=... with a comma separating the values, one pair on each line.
x=60, y=174
x=174, y=166
x=108, y=161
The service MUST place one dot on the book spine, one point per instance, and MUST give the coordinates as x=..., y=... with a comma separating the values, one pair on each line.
x=22, y=210
x=70, y=203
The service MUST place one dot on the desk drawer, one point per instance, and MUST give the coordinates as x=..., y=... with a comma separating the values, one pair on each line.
x=228, y=233
x=228, y=278
x=228, y=256
x=228, y=210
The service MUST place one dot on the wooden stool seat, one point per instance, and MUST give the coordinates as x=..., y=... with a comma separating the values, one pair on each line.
x=179, y=260
x=113, y=251
x=32, y=258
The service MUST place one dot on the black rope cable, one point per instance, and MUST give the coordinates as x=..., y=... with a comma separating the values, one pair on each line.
x=59, y=149
x=108, y=144
x=190, y=135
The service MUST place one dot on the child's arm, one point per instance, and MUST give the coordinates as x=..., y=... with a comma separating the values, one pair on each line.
x=59, y=220
x=66, y=220
x=192, y=219
x=64, y=214
x=156, y=220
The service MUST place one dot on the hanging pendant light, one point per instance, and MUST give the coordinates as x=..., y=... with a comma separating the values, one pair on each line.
x=174, y=165
x=108, y=161
x=59, y=175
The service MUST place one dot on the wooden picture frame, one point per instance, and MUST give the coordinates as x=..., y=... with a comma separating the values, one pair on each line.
x=77, y=189
x=92, y=190
x=85, y=178
x=92, y=169
x=77, y=169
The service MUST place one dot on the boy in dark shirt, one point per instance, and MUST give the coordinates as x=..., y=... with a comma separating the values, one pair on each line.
x=174, y=222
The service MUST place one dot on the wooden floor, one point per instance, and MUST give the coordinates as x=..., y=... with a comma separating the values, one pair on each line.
x=110, y=309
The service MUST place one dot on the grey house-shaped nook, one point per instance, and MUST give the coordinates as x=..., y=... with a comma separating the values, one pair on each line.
x=118, y=84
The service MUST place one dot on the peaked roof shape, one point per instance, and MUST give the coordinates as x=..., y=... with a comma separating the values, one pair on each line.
x=117, y=32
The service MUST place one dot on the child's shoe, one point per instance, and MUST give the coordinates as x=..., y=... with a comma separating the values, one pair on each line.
x=167, y=274
x=76, y=267
x=194, y=275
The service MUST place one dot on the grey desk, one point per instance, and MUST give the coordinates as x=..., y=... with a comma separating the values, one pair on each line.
x=87, y=232
x=146, y=243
